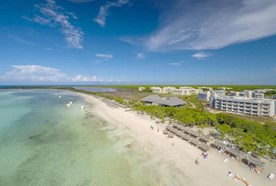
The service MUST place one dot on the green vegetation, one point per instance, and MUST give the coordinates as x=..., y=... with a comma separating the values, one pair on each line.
x=270, y=93
x=193, y=102
x=246, y=134
x=187, y=116
x=215, y=87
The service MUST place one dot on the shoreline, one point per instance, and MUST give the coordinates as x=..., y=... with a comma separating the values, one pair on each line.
x=212, y=171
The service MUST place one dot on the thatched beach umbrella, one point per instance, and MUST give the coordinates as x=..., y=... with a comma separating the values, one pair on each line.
x=186, y=130
x=186, y=137
x=204, y=139
x=165, y=132
x=181, y=127
x=169, y=128
x=203, y=147
x=170, y=135
x=218, y=145
x=234, y=153
x=176, y=125
x=194, y=134
x=194, y=142
x=179, y=133
x=255, y=161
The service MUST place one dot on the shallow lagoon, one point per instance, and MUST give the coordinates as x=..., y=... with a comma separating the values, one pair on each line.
x=44, y=142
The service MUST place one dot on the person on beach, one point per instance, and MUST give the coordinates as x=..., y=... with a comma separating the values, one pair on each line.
x=172, y=143
x=237, y=178
x=229, y=174
x=197, y=162
x=157, y=129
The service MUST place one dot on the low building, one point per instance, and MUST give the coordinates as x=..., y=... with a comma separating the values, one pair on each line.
x=186, y=91
x=167, y=90
x=141, y=89
x=205, y=95
x=256, y=107
x=247, y=94
x=164, y=101
x=157, y=90
x=258, y=95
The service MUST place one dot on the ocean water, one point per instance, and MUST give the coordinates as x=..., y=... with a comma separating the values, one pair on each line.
x=44, y=142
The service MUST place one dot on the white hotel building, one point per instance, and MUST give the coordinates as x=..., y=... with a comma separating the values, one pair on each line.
x=240, y=105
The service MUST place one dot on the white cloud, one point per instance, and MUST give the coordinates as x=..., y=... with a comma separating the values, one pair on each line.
x=54, y=16
x=104, y=56
x=211, y=24
x=104, y=11
x=85, y=79
x=179, y=63
x=42, y=74
x=33, y=73
x=140, y=55
x=201, y=55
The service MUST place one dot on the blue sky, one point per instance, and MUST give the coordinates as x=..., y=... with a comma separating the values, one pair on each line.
x=138, y=42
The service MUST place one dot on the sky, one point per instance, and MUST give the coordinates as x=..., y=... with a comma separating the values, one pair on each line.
x=51, y=42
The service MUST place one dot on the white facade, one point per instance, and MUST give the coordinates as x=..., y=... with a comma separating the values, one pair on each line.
x=157, y=90
x=182, y=91
x=256, y=107
x=141, y=89
x=205, y=95
x=248, y=94
x=167, y=90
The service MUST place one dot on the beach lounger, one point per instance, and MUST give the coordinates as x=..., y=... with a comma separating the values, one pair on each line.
x=246, y=182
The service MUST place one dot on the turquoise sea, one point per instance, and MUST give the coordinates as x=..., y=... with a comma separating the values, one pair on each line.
x=44, y=142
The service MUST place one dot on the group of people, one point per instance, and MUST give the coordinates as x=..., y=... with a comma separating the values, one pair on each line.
x=238, y=178
x=204, y=155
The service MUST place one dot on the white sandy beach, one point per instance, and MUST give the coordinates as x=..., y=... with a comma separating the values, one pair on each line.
x=212, y=171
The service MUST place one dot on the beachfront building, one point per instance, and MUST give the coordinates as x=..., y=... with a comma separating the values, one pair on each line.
x=205, y=95
x=182, y=91
x=141, y=89
x=157, y=90
x=258, y=95
x=167, y=90
x=185, y=91
x=244, y=105
x=163, y=101
x=248, y=94
x=205, y=88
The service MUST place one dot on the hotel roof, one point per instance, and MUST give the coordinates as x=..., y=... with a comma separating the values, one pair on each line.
x=167, y=101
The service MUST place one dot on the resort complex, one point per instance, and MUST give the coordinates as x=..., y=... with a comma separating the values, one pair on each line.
x=247, y=102
x=240, y=105
x=181, y=91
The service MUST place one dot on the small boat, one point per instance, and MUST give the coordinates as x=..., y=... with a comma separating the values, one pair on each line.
x=83, y=107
